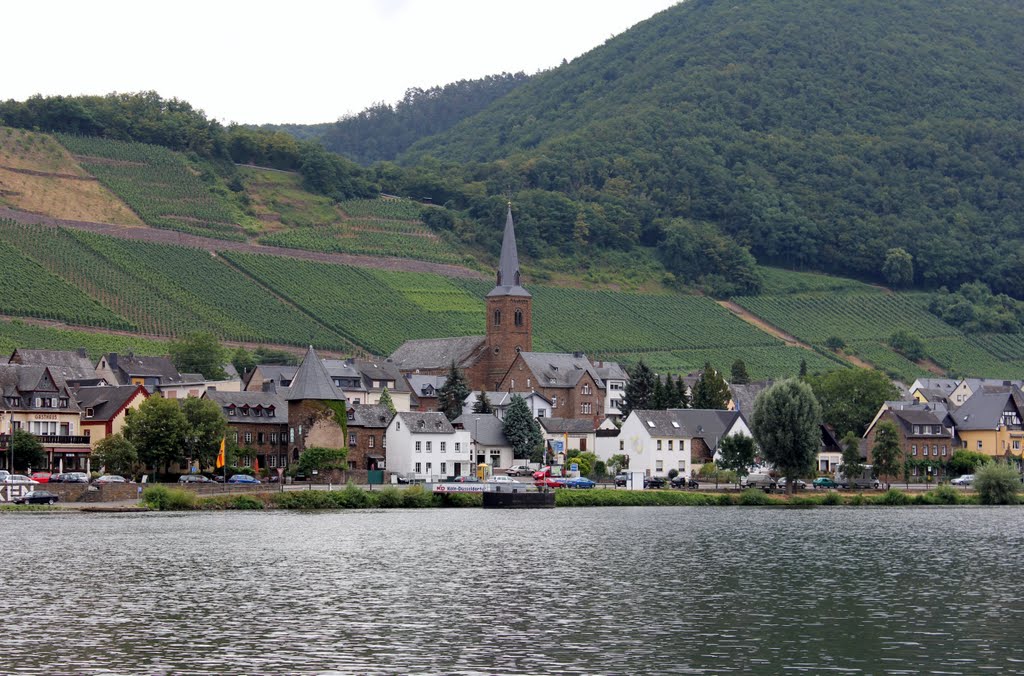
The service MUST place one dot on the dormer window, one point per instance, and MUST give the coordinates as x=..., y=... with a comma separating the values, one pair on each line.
x=63, y=402
x=231, y=411
x=89, y=412
x=258, y=412
x=350, y=414
x=245, y=410
x=270, y=412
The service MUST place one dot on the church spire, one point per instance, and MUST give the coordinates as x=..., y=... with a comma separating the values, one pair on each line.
x=509, y=282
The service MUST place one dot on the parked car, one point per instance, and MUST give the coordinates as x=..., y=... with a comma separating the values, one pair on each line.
x=963, y=480
x=518, y=470
x=551, y=482
x=407, y=478
x=468, y=479
x=759, y=480
x=18, y=479
x=500, y=479
x=579, y=482
x=620, y=479
x=194, y=479
x=3, y=473
x=37, y=498
x=542, y=473
x=654, y=482
x=56, y=477
x=243, y=479
x=824, y=482
x=680, y=481
x=110, y=479
x=799, y=484
x=41, y=477
x=75, y=478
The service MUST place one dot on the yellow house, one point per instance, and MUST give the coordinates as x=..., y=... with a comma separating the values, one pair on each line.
x=990, y=422
x=104, y=409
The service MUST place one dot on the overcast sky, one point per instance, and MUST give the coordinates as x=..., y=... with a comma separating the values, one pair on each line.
x=296, y=61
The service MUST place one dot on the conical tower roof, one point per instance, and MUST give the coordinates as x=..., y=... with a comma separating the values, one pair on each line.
x=509, y=282
x=312, y=381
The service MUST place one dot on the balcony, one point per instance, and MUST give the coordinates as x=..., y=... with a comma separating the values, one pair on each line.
x=50, y=440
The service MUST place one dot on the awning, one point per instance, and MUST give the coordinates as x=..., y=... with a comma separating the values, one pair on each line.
x=374, y=457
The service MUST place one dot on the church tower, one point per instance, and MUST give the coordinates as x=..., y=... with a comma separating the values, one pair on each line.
x=509, y=311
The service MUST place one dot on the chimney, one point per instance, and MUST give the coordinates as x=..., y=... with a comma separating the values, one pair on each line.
x=81, y=352
x=269, y=386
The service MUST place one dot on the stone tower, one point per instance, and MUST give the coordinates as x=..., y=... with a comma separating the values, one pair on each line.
x=509, y=312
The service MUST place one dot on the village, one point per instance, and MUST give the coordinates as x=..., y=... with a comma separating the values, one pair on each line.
x=386, y=413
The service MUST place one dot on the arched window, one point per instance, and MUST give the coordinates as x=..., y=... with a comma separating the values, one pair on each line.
x=519, y=317
x=517, y=278
x=497, y=317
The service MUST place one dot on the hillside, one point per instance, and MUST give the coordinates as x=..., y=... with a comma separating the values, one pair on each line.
x=821, y=135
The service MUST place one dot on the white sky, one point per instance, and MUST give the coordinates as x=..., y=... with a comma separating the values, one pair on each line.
x=299, y=61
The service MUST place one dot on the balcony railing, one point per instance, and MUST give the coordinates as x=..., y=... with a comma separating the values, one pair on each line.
x=50, y=439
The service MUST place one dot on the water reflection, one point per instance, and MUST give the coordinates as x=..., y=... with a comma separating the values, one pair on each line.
x=618, y=590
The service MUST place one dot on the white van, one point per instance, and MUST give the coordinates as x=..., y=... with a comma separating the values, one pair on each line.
x=865, y=479
x=759, y=480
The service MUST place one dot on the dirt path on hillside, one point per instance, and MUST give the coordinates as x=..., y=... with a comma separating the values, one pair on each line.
x=158, y=236
x=750, y=318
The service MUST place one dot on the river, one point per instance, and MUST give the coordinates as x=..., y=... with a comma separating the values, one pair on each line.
x=598, y=590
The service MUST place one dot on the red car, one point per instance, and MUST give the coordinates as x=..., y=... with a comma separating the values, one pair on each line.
x=551, y=482
x=41, y=477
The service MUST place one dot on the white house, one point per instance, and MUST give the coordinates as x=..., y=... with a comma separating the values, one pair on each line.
x=488, y=442
x=539, y=405
x=562, y=435
x=615, y=378
x=427, y=444
x=656, y=442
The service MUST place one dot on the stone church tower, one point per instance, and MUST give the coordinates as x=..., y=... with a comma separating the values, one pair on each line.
x=509, y=312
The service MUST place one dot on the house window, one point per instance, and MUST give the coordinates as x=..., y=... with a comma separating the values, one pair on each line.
x=980, y=445
x=497, y=317
x=418, y=448
x=417, y=467
x=682, y=466
x=245, y=411
x=913, y=449
x=586, y=407
x=458, y=446
x=519, y=317
x=273, y=437
x=236, y=437
x=270, y=412
x=428, y=468
x=659, y=466
x=935, y=450
x=554, y=402
x=659, y=444
x=260, y=437
x=398, y=425
x=586, y=388
x=371, y=441
x=443, y=445
x=513, y=384
x=384, y=442
x=924, y=450
x=248, y=437
x=444, y=468
x=943, y=450
x=272, y=460
x=1016, y=445
x=90, y=413
x=622, y=445
x=351, y=439
x=429, y=444
x=291, y=435
x=258, y=412
x=541, y=412
x=231, y=412
x=670, y=444
x=527, y=382
x=63, y=402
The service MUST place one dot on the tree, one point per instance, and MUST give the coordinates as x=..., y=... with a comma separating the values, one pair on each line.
x=27, y=451
x=618, y=462
x=711, y=391
x=452, y=394
x=483, y=404
x=786, y=423
x=967, y=462
x=198, y=352
x=322, y=459
x=159, y=430
x=682, y=396
x=885, y=454
x=737, y=453
x=850, y=398
x=385, y=400
x=639, y=389
x=851, y=466
x=117, y=455
x=206, y=428
x=908, y=344
x=739, y=373
x=521, y=429
x=266, y=355
x=803, y=368
x=586, y=461
x=243, y=360
x=659, y=400
x=997, y=484
x=898, y=268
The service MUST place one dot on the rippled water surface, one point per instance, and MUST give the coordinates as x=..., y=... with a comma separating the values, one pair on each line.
x=617, y=590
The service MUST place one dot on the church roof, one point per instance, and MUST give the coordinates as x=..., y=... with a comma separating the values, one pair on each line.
x=509, y=282
x=437, y=353
x=312, y=381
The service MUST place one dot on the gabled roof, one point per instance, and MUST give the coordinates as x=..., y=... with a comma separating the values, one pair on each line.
x=426, y=386
x=152, y=367
x=743, y=396
x=509, y=282
x=610, y=370
x=312, y=381
x=106, y=401
x=984, y=409
x=483, y=428
x=17, y=380
x=70, y=364
x=431, y=422
x=707, y=424
x=374, y=371
x=560, y=369
x=437, y=353
x=945, y=384
x=369, y=415
x=566, y=425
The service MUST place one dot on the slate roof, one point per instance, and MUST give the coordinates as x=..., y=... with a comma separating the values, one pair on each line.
x=106, y=400
x=509, y=282
x=743, y=396
x=437, y=353
x=253, y=400
x=935, y=395
x=426, y=386
x=312, y=381
x=566, y=425
x=611, y=370
x=155, y=367
x=707, y=424
x=17, y=380
x=369, y=415
x=984, y=409
x=372, y=371
x=431, y=422
x=560, y=369
x=944, y=384
x=70, y=364
x=483, y=428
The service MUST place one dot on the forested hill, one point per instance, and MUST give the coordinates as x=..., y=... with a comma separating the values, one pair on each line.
x=383, y=131
x=821, y=134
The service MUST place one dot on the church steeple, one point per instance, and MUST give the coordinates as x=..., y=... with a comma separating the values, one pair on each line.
x=509, y=280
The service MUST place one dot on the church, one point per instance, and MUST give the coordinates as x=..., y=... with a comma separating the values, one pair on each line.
x=503, y=359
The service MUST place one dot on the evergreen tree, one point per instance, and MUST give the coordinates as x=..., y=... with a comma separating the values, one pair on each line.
x=851, y=466
x=385, y=400
x=521, y=429
x=637, y=395
x=483, y=404
x=659, y=401
x=739, y=373
x=683, y=395
x=711, y=390
x=452, y=394
x=786, y=423
x=673, y=399
x=803, y=368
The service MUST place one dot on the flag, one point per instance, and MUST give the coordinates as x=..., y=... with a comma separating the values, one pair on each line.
x=220, y=456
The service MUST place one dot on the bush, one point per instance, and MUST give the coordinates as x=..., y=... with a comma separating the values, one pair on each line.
x=462, y=500
x=304, y=500
x=164, y=499
x=892, y=497
x=858, y=500
x=352, y=497
x=417, y=497
x=388, y=497
x=832, y=498
x=943, y=495
x=997, y=484
x=753, y=497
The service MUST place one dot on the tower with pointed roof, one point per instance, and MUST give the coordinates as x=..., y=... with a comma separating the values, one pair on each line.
x=316, y=408
x=509, y=310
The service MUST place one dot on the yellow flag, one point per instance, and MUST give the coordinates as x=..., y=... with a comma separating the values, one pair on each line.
x=220, y=456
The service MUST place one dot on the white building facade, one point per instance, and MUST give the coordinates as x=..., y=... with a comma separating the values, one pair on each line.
x=427, y=445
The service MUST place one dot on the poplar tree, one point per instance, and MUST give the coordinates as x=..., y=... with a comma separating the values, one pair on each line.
x=786, y=423
x=639, y=388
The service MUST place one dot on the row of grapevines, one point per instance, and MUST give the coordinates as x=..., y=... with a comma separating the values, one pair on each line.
x=881, y=356
x=370, y=242
x=762, y=362
x=384, y=208
x=964, y=357
x=17, y=334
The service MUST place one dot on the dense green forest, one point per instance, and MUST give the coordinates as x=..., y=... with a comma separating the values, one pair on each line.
x=384, y=131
